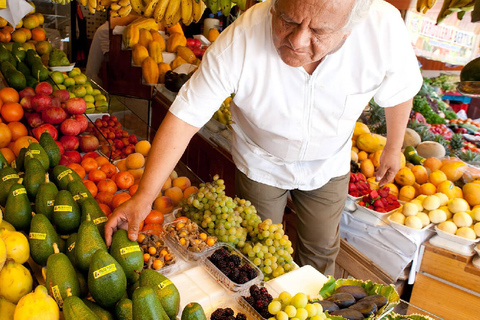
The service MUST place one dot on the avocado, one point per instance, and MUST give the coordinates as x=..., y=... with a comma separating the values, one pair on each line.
x=75, y=309
x=146, y=305
x=90, y=205
x=31, y=57
x=16, y=79
x=8, y=177
x=41, y=238
x=22, y=67
x=106, y=280
x=51, y=148
x=193, y=311
x=123, y=309
x=61, y=275
x=5, y=66
x=66, y=213
x=128, y=254
x=19, y=162
x=18, y=210
x=4, y=54
x=471, y=71
x=37, y=151
x=132, y=288
x=88, y=242
x=83, y=284
x=18, y=51
x=3, y=162
x=60, y=176
x=34, y=177
x=45, y=199
x=31, y=81
x=165, y=290
x=70, y=248
x=99, y=311
x=39, y=71
x=80, y=193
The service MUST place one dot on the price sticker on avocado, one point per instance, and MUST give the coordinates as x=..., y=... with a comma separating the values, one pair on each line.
x=165, y=283
x=126, y=250
x=63, y=174
x=10, y=176
x=50, y=203
x=62, y=208
x=71, y=247
x=19, y=191
x=57, y=296
x=32, y=152
x=100, y=220
x=104, y=271
x=37, y=236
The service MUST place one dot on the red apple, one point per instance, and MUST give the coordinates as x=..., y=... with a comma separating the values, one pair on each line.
x=26, y=104
x=105, y=117
x=44, y=88
x=46, y=127
x=34, y=119
x=198, y=43
x=54, y=115
x=70, y=127
x=190, y=42
x=64, y=161
x=82, y=120
x=76, y=105
x=70, y=142
x=88, y=143
x=74, y=156
x=27, y=92
x=91, y=154
x=41, y=101
x=56, y=102
x=133, y=139
x=62, y=94
x=60, y=146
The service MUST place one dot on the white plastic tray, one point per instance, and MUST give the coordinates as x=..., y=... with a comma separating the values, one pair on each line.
x=476, y=262
x=455, y=238
x=64, y=68
x=452, y=246
x=350, y=203
x=419, y=235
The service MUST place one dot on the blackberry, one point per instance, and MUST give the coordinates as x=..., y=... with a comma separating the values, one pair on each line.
x=241, y=316
x=260, y=299
x=236, y=260
x=254, y=290
x=229, y=312
x=251, y=274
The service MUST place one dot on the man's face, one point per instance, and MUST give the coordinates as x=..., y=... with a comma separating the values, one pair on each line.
x=304, y=31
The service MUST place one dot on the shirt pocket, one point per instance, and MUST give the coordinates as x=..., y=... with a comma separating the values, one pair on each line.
x=352, y=109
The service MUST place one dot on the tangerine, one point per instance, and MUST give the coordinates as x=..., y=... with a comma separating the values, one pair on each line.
x=22, y=142
x=9, y=95
x=124, y=180
x=11, y=111
x=448, y=188
x=38, y=34
x=91, y=187
x=5, y=135
x=122, y=165
x=436, y=177
x=97, y=175
x=107, y=185
x=89, y=164
x=420, y=173
x=433, y=164
x=120, y=198
x=5, y=37
x=8, y=154
x=105, y=198
x=106, y=209
x=428, y=189
x=101, y=160
x=109, y=169
x=407, y=193
x=78, y=169
x=17, y=129
x=133, y=189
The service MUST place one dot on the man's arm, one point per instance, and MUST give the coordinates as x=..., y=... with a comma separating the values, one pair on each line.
x=168, y=146
x=397, y=118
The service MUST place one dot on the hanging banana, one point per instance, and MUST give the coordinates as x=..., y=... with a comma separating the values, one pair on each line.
x=92, y=6
x=198, y=8
x=172, y=10
x=213, y=6
x=149, y=8
x=160, y=10
x=186, y=7
x=241, y=4
x=225, y=6
x=137, y=6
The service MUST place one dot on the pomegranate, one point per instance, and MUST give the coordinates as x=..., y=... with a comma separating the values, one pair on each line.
x=88, y=143
x=70, y=143
x=60, y=146
x=41, y=101
x=62, y=94
x=82, y=120
x=44, y=88
x=76, y=106
x=70, y=127
x=73, y=156
x=34, y=119
x=26, y=104
x=27, y=92
x=46, y=127
x=54, y=115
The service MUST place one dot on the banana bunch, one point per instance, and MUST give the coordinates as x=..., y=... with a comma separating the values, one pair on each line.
x=452, y=6
x=224, y=5
x=119, y=8
x=94, y=5
x=170, y=12
x=63, y=2
x=424, y=5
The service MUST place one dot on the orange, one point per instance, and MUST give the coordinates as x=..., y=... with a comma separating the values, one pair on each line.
x=393, y=189
x=38, y=34
x=428, y=189
x=407, y=193
x=433, y=164
x=133, y=189
x=106, y=209
x=27, y=32
x=420, y=173
x=104, y=197
x=107, y=185
x=143, y=147
x=124, y=180
x=109, y=169
x=453, y=170
x=97, y=175
x=9, y=95
x=405, y=177
x=8, y=29
x=122, y=165
x=181, y=182
x=362, y=155
x=8, y=154
x=5, y=135
x=174, y=193
x=17, y=129
x=78, y=169
x=448, y=188
x=436, y=177
x=135, y=161
x=91, y=187
x=192, y=189
x=101, y=160
x=22, y=142
x=458, y=192
x=89, y=164
x=119, y=198
x=19, y=36
x=12, y=111
x=5, y=37
x=471, y=193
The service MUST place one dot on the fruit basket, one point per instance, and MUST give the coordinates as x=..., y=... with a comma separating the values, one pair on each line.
x=419, y=235
x=222, y=278
x=184, y=252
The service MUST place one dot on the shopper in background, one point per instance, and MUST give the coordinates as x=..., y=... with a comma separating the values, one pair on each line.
x=98, y=49
x=302, y=72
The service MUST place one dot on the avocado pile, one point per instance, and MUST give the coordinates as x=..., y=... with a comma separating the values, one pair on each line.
x=352, y=302
x=21, y=68
x=51, y=211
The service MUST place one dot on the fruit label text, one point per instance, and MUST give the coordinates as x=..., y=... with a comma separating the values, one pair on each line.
x=50, y=203
x=78, y=196
x=10, y=176
x=71, y=247
x=19, y=191
x=129, y=249
x=62, y=208
x=57, y=296
x=63, y=174
x=164, y=283
x=37, y=236
x=104, y=271
x=32, y=152
x=100, y=220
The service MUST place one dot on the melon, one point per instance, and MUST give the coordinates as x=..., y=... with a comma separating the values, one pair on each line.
x=430, y=149
x=411, y=138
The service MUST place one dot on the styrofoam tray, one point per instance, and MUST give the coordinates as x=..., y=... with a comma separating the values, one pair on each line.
x=455, y=238
x=420, y=235
x=452, y=246
x=476, y=262
x=477, y=249
x=64, y=68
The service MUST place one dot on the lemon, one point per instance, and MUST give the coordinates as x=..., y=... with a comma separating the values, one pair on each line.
x=466, y=232
x=442, y=197
x=462, y=219
x=398, y=217
x=431, y=203
x=410, y=209
x=458, y=205
x=437, y=216
x=448, y=226
x=414, y=222
x=424, y=218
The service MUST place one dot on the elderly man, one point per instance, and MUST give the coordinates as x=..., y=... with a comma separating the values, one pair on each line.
x=302, y=72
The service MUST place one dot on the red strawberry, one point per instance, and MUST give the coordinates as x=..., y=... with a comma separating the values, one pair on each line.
x=374, y=194
x=362, y=203
x=378, y=204
x=352, y=187
x=353, y=177
x=361, y=177
x=383, y=210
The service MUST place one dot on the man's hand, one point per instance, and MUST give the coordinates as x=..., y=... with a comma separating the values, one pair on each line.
x=127, y=216
x=389, y=166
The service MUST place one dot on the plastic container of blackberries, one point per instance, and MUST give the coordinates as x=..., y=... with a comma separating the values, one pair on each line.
x=223, y=278
x=183, y=250
x=231, y=303
x=241, y=300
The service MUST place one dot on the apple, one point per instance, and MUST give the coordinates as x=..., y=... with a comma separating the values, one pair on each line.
x=70, y=127
x=76, y=106
x=41, y=101
x=88, y=143
x=26, y=104
x=34, y=119
x=198, y=43
x=105, y=117
x=44, y=88
x=60, y=146
x=64, y=161
x=74, y=156
x=70, y=142
x=190, y=42
x=62, y=94
x=46, y=127
x=54, y=115
x=82, y=120
x=27, y=92
x=91, y=154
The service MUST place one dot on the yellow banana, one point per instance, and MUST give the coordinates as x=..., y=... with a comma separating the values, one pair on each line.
x=172, y=10
x=105, y=3
x=137, y=6
x=226, y=6
x=431, y=3
x=92, y=5
x=198, y=8
x=115, y=6
x=186, y=11
x=83, y=3
x=124, y=11
x=114, y=14
x=124, y=3
x=149, y=8
x=241, y=4
x=160, y=10
x=213, y=6
x=100, y=7
x=421, y=4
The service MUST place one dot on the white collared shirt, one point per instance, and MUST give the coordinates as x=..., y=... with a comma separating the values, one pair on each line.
x=293, y=130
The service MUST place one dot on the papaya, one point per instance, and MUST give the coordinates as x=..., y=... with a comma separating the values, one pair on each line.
x=139, y=53
x=150, y=71
x=176, y=39
x=130, y=36
x=155, y=51
x=144, y=37
x=186, y=53
x=371, y=142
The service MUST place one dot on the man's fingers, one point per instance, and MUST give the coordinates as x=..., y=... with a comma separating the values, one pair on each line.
x=387, y=177
x=110, y=228
x=133, y=227
x=382, y=170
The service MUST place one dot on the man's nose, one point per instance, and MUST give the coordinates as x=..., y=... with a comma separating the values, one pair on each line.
x=299, y=38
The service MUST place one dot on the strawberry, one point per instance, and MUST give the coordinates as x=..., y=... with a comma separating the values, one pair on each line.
x=354, y=194
x=374, y=194
x=353, y=177
x=384, y=192
x=378, y=204
x=383, y=210
x=362, y=203
x=352, y=187
x=361, y=177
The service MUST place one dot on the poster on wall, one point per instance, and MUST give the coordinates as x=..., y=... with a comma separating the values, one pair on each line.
x=455, y=44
